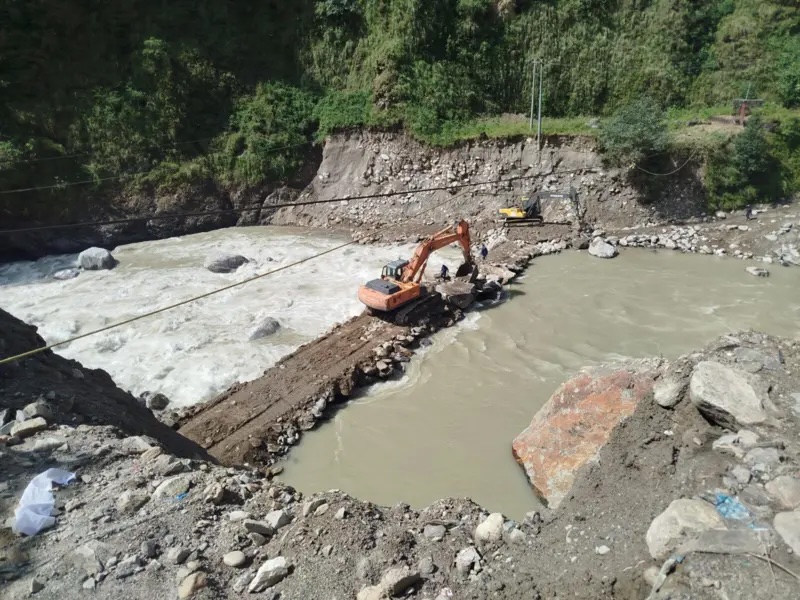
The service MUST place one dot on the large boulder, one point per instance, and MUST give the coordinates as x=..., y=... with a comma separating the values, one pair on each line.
x=726, y=397
x=498, y=273
x=576, y=423
x=602, y=249
x=683, y=521
x=265, y=328
x=224, y=263
x=96, y=259
x=457, y=293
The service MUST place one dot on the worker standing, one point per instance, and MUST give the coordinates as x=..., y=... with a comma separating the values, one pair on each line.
x=748, y=212
x=484, y=251
x=444, y=273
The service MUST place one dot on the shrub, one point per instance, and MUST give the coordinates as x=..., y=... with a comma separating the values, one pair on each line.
x=634, y=132
x=342, y=110
x=267, y=132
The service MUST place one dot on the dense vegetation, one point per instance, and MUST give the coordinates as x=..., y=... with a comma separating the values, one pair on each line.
x=163, y=93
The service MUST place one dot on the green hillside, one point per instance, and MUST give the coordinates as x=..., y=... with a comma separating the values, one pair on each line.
x=160, y=93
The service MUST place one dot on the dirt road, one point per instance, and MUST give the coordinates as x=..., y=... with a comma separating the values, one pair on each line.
x=255, y=420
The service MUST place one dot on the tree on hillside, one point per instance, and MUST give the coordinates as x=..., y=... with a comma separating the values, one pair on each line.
x=635, y=131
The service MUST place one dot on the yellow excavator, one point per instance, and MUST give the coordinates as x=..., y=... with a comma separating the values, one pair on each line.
x=530, y=211
x=398, y=288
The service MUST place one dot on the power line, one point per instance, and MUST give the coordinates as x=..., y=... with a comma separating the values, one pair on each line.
x=688, y=160
x=113, y=177
x=151, y=313
x=287, y=204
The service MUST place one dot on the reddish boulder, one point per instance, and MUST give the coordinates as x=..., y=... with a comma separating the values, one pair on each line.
x=576, y=423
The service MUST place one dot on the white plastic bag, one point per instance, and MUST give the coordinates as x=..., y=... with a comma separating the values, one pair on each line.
x=34, y=512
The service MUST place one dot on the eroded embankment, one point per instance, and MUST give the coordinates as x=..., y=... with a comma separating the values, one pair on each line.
x=367, y=163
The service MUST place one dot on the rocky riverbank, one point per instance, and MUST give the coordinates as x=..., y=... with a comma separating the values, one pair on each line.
x=693, y=494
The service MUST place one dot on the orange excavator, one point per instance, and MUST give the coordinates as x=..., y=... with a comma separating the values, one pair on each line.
x=399, y=284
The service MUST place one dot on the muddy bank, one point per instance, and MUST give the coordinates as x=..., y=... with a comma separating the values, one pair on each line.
x=142, y=523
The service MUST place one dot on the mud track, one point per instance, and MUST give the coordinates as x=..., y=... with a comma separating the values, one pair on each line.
x=252, y=421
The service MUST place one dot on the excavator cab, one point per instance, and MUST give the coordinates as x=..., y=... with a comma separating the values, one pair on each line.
x=394, y=270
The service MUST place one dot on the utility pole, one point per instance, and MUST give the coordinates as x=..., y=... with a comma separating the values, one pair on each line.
x=533, y=92
x=539, y=119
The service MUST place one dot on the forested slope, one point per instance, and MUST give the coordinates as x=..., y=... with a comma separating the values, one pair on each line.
x=155, y=93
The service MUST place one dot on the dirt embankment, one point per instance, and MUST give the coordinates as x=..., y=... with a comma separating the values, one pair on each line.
x=368, y=163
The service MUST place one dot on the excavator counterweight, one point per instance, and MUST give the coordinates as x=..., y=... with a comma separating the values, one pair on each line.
x=399, y=283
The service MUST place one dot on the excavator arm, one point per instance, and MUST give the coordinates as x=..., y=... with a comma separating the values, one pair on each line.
x=416, y=267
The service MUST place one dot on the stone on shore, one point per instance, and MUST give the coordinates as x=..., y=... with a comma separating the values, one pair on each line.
x=726, y=397
x=602, y=249
x=667, y=391
x=787, y=524
x=491, y=529
x=174, y=486
x=458, y=293
x=576, y=422
x=270, y=573
x=397, y=580
x=278, y=519
x=96, y=259
x=683, y=521
x=131, y=500
x=91, y=557
x=28, y=427
x=191, y=584
x=467, y=559
x=224, y=263
x=235, y=559
x=786, y=491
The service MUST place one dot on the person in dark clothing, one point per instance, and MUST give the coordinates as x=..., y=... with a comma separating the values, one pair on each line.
x=443, y=274
x=748, y=212
x=484, y=252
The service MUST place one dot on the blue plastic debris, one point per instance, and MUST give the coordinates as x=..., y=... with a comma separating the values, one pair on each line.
x=180, y=497
x=730, y=508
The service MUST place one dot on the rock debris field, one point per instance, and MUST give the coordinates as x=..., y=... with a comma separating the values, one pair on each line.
x=693, y=495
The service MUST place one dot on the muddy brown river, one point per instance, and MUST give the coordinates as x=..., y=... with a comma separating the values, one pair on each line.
x=446, y=428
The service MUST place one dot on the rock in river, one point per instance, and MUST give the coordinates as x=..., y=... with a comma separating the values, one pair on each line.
x=65, y=274
x=576, y=423
x=267, y=327
x=757, y=271
x=602, y=249
x=95, y=259
x=224, y=263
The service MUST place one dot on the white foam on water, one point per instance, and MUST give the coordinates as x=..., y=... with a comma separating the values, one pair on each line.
x=198, y=350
